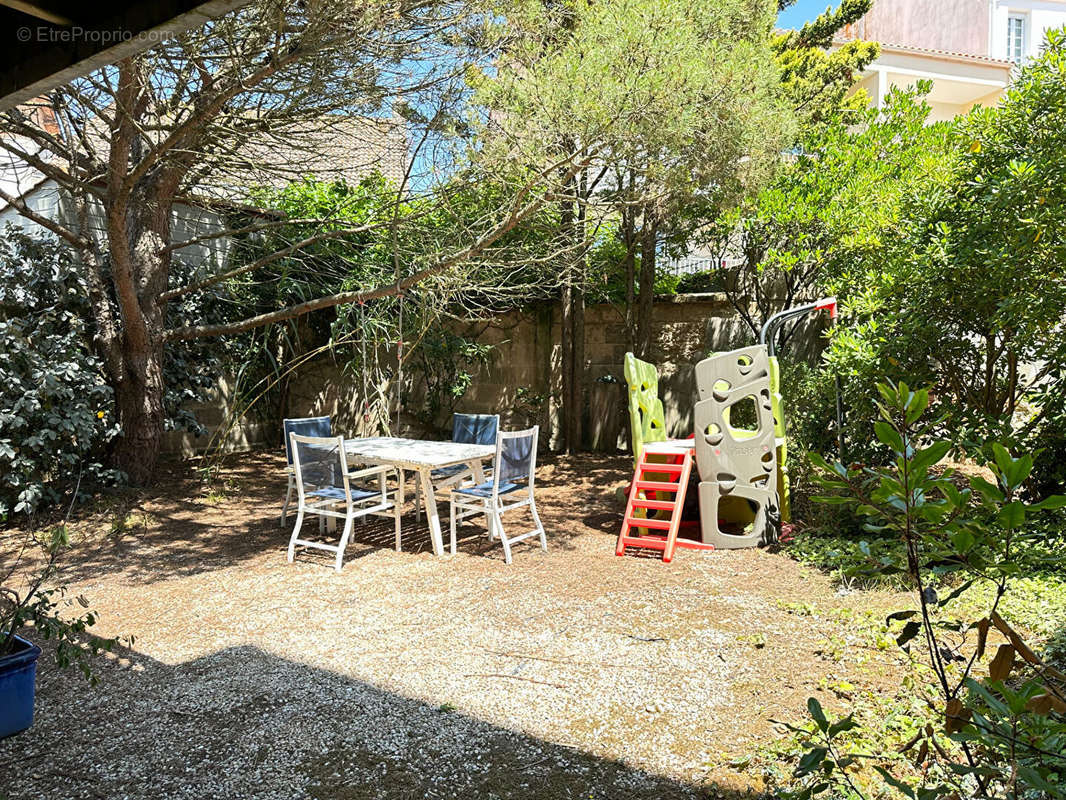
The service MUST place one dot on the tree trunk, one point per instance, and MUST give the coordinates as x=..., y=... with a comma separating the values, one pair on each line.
x=649, y=238
x=578, y=406
x=139, y=400
x=566, y=346
x=629, y=238
x=138, y=231
x=566, y=341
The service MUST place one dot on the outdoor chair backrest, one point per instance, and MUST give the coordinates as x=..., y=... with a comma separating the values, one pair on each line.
x=475, y=428
x=319, y=462
x=516, y=457
x=305, y=426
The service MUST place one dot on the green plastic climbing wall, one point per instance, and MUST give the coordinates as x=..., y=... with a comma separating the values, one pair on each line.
x=647, y=420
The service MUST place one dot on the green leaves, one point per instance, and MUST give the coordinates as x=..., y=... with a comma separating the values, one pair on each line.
x=927, y=457
x=962, y=540
x=627, y=81
x=989, y=491
x=811, y=761
x=814, y=708
x=56, y=413
x=974, y=535
x=888, y=436
x=1012, y=515
x=910, y=630
x=916, y=404
x=895, y=782
x=823, y=762
x=1055, y=501
x=1011, y=471
x=58, y=539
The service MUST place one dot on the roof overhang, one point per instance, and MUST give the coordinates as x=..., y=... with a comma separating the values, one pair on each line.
x=957, y=79
x=51, y=42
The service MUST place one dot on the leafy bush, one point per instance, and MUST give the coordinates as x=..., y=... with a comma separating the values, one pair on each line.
x=1055, y=650
x=1044, y=429
x=56, y=412
x=831, y=210
x=711, y=280
x=363, y=338
x=966, y=294
x=998, y=736
x=444, y=361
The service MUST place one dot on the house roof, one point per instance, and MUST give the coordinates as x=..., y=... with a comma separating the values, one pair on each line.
x=344, y=148
x=946, y=54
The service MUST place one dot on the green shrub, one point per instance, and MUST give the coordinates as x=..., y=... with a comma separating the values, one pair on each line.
x=56, y=413
x=966, y=294
x=994, y=734
x=711, y=280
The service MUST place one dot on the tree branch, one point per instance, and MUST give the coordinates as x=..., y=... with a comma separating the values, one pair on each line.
x=66, y=234
x=57, y=174
x=267, y=259
x=207, y=111
x=16, y=123
x=343, y=298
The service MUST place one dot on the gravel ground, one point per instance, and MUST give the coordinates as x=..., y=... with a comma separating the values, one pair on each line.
x=570, y=674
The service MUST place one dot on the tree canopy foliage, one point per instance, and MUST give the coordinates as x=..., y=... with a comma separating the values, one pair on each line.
x=817, y=79
x=966, y=290
x=507, y=109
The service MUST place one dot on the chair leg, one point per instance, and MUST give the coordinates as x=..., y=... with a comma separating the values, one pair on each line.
x=540, y=526
x=295, y=534
x=343, y=543
x=494, y=514
x=451, y=518
x=288, y=497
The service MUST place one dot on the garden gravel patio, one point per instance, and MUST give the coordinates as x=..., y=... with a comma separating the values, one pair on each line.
x=571, y=673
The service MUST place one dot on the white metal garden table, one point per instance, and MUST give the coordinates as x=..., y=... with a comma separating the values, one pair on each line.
x=422, y=457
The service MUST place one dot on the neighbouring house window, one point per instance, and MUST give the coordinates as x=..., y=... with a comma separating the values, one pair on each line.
x=1016, y=38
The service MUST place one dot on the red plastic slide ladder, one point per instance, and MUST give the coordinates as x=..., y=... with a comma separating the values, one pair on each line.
x=647, y=493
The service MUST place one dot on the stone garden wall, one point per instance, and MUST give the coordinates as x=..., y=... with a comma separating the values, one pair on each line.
x=522, y=380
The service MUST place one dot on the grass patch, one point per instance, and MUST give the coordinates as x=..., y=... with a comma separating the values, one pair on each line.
x=856, y=639
x=1035, y=601
x=841, y=555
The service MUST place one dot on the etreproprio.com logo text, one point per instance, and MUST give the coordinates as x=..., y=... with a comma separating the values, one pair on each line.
x=46, y=34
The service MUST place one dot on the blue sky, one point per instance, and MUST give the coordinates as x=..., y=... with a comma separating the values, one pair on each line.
x=803, y=11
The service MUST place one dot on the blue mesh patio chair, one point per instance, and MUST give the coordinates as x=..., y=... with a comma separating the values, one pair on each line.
x=467, y=429
x=303, y=426
x=510, y=487
x=325, y=487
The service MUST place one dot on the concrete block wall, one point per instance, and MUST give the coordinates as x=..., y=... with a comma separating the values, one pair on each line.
x=528, y=356
x=223, y=432
x=522, y=379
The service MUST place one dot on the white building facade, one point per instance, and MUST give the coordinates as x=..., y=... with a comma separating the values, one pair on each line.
x=1017, y=28
x=968, y=49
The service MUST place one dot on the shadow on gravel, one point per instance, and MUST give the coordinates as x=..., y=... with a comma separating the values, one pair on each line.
x=242, y=723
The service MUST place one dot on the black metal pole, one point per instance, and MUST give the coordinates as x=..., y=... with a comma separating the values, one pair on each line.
x=769, y=333
x=840, y=408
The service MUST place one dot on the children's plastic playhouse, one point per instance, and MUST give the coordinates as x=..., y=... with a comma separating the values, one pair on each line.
x=738, y=450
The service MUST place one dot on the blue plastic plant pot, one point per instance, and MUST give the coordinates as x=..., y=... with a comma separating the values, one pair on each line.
x=18, y=673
